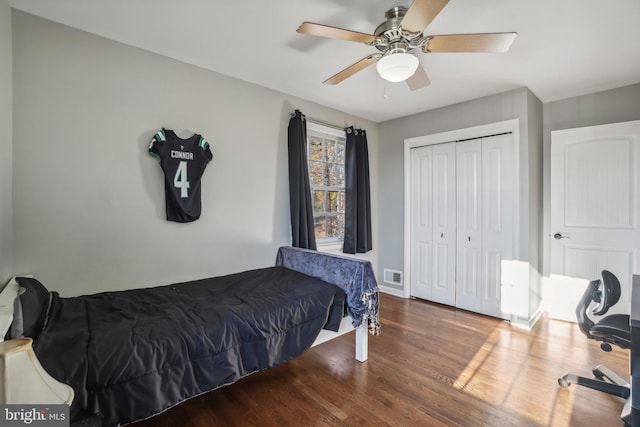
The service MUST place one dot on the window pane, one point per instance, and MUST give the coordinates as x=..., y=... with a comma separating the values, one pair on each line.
x=336, y=175
x=326, y=156
x=315, y=148
x=332, y=226
x=339, y=153
x=327, y=175
x=320, y=226
x=331, y=150
x=335, y=226
x=318, y=201
x=316, y=173
x=332, y=201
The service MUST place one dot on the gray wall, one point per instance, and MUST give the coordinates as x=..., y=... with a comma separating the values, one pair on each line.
x=610, y=106
x=534, y=117
x=504, y=106
x=6, y=222
x=89, y=200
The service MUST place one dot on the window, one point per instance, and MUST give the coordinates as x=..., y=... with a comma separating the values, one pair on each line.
x=326, y=152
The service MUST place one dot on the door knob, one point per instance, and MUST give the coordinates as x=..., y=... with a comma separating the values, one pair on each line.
x=559, y=236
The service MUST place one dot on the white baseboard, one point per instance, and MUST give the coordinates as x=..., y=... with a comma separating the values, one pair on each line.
x=391, y=291
x=527, y=324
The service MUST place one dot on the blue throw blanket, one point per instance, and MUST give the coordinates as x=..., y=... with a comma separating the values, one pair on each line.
x=354, y=276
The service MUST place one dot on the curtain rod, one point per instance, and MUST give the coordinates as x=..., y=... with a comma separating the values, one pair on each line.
x=320, y=122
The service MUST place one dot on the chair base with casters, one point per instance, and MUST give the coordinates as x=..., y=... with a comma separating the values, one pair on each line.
x=613, y=329
x=607, y=381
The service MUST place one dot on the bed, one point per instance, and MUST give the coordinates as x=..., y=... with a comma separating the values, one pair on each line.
x=129, y=355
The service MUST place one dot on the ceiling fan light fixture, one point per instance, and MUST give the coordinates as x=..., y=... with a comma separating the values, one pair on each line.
x=397, y=67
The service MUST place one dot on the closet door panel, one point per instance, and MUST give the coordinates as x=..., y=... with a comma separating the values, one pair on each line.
x=469, y=225
x=469, y=285
x=444, y=224
x=422, y=222
x=492, y=284
x=497, y=218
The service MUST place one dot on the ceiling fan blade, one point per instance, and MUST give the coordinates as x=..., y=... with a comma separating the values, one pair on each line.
x=486, y=42
x=351, y=70
x=420, y=14
x=419, y=79
x=335, y=33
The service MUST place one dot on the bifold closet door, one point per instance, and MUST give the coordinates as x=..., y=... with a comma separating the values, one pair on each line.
x=433, y=223
x=498, y=211
x=485, y=208
x=469, y=225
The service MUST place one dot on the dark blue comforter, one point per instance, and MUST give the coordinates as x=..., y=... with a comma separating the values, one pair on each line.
x=131, y=354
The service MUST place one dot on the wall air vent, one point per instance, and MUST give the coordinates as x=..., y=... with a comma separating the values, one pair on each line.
x=392, y=277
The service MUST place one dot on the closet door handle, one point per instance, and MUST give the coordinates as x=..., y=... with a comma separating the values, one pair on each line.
x=469, y=238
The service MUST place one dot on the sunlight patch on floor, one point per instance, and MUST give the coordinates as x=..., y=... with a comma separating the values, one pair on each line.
x=507, y=352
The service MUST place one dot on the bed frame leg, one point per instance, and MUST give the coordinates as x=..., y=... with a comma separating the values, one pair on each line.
x=362, y=342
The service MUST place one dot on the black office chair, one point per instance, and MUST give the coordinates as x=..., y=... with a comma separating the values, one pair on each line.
x=613, y=329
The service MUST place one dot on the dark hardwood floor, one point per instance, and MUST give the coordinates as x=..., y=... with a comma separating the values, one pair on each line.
x=432, y=366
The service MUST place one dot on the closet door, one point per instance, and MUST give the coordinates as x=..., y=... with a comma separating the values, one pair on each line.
x=498, y=193
x=433, y=224
x=469, y=225
x=421, y=222
x=444, y=224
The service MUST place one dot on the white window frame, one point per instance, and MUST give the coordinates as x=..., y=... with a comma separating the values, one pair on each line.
x=318, y=130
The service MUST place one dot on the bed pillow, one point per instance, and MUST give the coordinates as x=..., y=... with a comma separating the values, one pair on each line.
x=35, y=306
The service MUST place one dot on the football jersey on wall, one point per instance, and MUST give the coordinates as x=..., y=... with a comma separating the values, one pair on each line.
x=183, y=162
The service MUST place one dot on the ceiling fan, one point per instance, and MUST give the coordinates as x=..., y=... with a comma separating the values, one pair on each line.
x=400, y=34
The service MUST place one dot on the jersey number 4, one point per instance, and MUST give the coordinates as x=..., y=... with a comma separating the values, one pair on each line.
x=180, y=180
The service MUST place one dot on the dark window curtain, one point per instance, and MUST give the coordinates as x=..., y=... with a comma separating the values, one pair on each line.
x=357, y=216
x=302, y=231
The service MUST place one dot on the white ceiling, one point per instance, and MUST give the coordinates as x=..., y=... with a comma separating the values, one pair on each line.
x=564, y=48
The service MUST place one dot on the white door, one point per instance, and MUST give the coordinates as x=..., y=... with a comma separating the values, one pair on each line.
x=469, y=224
x=594, y=208
x=498, y=204
x=433, y=224
x=444, y=224
x=421, y=221
x=485, y=193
